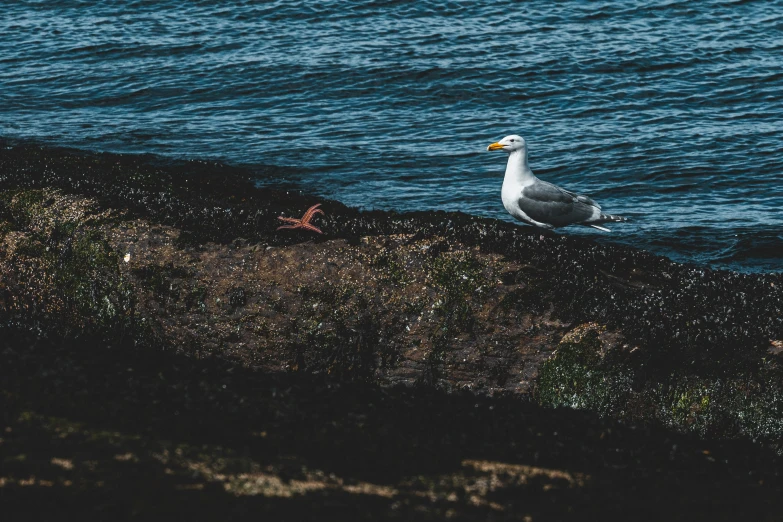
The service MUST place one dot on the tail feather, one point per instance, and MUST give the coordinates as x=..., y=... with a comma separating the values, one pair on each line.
x=599, y=227
x=608, y=218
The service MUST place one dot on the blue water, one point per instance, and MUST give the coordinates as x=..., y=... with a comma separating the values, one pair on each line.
x=670, y=113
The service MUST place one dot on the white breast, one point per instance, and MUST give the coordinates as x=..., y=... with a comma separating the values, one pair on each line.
x=510, y=195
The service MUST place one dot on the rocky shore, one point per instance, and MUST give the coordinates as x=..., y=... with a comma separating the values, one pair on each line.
x=166, y=349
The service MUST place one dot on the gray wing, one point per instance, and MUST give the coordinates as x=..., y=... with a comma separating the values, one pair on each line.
x=550, y=204
x=579, y=197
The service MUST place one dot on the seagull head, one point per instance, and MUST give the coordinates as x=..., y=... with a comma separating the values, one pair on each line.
x=509, y=144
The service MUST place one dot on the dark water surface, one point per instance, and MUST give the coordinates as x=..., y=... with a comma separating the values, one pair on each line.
x=670, y=113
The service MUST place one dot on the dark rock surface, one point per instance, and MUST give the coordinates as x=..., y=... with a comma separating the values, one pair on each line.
x=398, y=366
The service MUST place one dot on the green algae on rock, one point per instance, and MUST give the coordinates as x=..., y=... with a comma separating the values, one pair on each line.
x=59, y=269
x=737, y=403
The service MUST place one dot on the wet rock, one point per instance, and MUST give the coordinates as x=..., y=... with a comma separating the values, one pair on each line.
x=424, y=299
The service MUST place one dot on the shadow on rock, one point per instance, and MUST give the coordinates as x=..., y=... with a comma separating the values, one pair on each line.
x=123, y=434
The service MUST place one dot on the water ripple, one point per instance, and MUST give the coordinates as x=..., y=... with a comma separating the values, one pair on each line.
x=668, y=111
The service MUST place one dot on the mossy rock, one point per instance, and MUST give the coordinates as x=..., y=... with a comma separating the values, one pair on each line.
x=581, y=376
x=77, y=283
x=578, y=376
x=750, y=406
x=19, y=206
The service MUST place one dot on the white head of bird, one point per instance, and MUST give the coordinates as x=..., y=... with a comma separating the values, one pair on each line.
x=509, y=144
x=518, y=169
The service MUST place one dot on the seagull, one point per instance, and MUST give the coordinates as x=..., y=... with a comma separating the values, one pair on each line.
x=543, y=204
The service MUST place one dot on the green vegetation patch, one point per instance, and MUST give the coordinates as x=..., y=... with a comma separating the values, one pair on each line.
x=460, y=278
x=87, y=274
x=577, y=376
x=337, y=332
x=65, y=269
x=391, y=267
x=735, y=405
x=19, y=206
x=749, y=405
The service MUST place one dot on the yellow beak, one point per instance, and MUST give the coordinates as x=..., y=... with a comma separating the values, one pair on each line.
x=495, y=146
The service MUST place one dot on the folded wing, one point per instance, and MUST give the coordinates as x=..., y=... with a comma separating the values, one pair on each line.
x=550, y=204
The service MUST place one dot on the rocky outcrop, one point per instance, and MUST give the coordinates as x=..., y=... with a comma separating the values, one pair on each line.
x=108, y=254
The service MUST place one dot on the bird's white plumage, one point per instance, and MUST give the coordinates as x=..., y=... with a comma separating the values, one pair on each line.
x=539, y=203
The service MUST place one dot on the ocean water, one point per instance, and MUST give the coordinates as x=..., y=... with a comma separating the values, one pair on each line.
x=667, y=112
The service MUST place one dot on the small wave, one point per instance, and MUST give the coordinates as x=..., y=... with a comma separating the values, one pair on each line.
x=655, y=110
x=753, y=245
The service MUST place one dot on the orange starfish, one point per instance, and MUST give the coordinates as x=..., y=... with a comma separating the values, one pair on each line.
x=305, y=221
